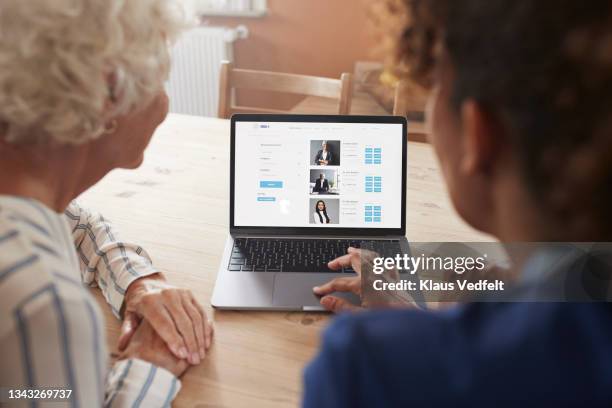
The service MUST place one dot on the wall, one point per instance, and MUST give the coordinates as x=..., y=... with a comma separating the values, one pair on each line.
x=313, y=37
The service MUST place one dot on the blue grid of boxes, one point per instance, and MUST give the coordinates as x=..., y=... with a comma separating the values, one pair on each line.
x=373, y=213
x=373, y=184
x=373, y=155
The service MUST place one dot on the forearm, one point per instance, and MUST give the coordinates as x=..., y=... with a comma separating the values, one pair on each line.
x=135, y=382
x=105, y=260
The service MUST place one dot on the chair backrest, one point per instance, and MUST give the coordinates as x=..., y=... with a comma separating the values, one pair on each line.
x=400, y=107
x=234, y=78
x=411, y=103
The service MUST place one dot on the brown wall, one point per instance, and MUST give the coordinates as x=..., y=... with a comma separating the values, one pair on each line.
x=313, y=37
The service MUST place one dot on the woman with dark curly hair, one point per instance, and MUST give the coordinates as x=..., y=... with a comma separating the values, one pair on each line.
x=520, y=115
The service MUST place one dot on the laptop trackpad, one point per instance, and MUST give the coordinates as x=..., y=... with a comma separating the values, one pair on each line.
x=295, y=289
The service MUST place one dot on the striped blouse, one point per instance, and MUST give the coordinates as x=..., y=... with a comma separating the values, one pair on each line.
x=52, y=333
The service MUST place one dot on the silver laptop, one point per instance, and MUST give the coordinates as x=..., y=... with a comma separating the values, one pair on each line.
x=303, y=188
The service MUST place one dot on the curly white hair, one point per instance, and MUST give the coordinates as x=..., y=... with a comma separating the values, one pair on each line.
x=68, y=66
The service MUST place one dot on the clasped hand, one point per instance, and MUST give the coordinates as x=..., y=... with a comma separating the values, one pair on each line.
x=164, y=325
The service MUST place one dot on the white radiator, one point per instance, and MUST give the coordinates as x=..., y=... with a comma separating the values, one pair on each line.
x=193, y=86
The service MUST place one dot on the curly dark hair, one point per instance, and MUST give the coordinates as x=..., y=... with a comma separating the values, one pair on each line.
x=543, y=68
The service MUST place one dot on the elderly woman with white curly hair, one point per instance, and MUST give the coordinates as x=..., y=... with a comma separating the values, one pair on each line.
x=81, y=93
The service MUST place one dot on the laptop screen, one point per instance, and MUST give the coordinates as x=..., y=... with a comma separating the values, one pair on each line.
x=318, y=174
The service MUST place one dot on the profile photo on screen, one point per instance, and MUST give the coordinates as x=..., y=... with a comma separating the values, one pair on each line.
x=325, y=152
x=324, y=181
x=324, y=211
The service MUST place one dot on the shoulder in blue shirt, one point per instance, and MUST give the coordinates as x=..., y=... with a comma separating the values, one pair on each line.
x=481, y=354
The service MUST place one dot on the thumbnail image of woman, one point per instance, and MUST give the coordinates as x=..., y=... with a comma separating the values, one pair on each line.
x=324, y=156
x=320, y=214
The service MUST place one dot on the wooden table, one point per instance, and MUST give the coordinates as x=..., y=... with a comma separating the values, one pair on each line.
x=176, y=206
x=362, y=104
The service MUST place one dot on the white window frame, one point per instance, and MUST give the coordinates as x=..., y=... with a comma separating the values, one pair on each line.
x=259, y=8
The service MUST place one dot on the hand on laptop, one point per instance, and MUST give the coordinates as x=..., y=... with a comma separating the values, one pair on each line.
x=172, y=312
x=356, y=259
x=345, y=284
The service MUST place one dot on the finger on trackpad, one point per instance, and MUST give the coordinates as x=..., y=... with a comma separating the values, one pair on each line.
x=295, y=289
x=348, y=296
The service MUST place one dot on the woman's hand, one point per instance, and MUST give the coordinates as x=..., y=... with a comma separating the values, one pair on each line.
x=147, y=345
x=345, y=284
x=172, y=312
x=357, y=259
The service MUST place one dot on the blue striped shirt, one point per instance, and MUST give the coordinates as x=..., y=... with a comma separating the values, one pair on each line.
x=52, y=332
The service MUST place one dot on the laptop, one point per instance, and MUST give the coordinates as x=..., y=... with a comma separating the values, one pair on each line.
x=303, y=188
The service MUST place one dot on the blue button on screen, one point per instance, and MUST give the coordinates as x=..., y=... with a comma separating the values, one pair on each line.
x=270, y=184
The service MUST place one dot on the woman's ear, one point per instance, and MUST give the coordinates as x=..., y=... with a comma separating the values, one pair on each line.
x=480, y=139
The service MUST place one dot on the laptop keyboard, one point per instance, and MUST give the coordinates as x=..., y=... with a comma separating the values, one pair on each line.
x=298, y=255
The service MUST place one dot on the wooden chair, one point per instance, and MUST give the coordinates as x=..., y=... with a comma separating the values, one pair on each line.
x=234, y=78
x=411, y=104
